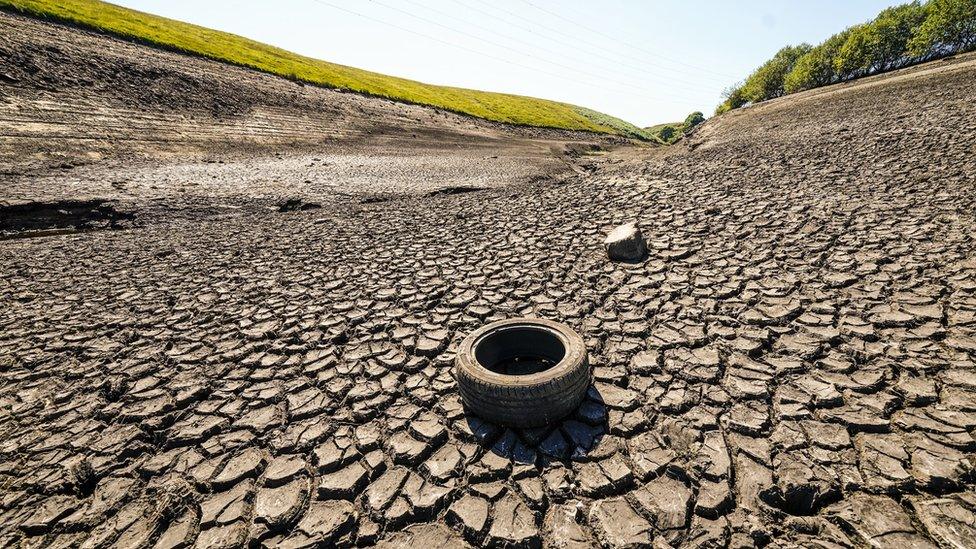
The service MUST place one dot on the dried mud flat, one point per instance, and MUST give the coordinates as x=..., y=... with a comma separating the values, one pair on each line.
x=792, y=366
x=166, y=136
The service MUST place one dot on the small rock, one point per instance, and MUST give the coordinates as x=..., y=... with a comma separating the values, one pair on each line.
x=626, y=243
x=880, y=520
x=948, y=520
x=425, y=498
x=381, y=492
x=179, y=533
x=714, y=498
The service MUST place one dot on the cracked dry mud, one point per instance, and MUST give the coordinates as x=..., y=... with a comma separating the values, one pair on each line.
x=793, y=365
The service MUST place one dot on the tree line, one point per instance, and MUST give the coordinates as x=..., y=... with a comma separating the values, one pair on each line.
x=899, y=36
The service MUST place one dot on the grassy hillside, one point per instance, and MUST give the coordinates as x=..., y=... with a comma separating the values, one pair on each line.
x=230, y=48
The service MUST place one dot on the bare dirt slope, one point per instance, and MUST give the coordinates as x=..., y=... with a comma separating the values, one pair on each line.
x=86, y=115
x=793, y=365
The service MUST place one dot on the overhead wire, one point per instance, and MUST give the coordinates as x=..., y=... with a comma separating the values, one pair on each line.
x=429, y=21
x=614, y=65
x=576, y=40
x=624, y=42
x=478, y=52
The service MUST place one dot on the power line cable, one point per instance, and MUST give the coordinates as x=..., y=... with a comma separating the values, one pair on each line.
x=477, y=52
x=513, y=50
x=612, y=66
x=576, y=40
x=624, y=42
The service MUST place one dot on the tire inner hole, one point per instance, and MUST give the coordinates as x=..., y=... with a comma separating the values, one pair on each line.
x=520, y=350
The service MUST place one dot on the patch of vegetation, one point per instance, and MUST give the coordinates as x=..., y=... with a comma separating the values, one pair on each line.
x=229, y=48
x=665, y=133
x=617, y=125
x=671, y=132
x=898, y=37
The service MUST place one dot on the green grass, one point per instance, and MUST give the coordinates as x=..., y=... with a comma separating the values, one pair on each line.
x=237, y=50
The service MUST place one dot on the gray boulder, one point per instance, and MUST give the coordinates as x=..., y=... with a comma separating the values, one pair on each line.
x=626, y=243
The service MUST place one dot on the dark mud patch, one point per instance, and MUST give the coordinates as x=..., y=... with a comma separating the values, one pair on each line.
x=576, y=150
x=297, y=205
x=377, y=199
x=29, y=218
x=458, y=189
x=380, y=198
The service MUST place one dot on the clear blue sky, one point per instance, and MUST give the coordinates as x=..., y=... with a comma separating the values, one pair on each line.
x=646, y=61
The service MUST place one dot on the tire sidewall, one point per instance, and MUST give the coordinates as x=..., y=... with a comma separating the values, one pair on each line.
x=472, y=377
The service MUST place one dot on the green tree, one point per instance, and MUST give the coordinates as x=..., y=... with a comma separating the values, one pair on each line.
x=667, y=133
x=880, y=45
x=732, y=98
x=853, y=57
x=767, y=81
x=816, y=67
x=890, y=33
x=692, y=120
x=949, y=27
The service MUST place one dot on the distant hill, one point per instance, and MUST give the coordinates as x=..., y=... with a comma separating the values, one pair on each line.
x=221, y=46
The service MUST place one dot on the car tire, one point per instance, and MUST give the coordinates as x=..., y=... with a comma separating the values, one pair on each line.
x=530, y=400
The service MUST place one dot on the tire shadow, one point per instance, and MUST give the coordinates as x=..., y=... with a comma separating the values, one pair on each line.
x=571, y=438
